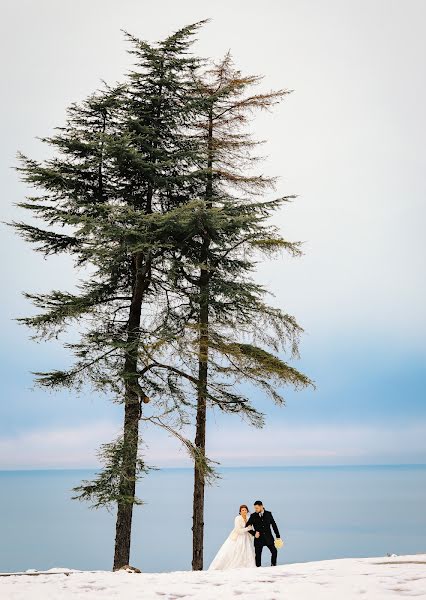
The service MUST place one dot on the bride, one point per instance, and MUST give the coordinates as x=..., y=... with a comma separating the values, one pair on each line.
x=237, y=550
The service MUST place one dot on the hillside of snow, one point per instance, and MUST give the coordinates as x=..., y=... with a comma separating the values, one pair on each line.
x=379, y=578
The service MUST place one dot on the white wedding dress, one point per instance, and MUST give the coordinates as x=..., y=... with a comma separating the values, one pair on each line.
x=238, y=549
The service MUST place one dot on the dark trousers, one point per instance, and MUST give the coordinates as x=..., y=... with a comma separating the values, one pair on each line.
x=258, y=552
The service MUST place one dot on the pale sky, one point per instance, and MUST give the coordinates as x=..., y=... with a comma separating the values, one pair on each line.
x=349, y=141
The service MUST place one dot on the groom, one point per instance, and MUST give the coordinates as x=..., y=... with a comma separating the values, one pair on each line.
x=262, y=521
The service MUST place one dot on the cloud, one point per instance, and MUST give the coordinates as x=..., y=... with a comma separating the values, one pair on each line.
x=276, y=445
x=72, y=447
x=321, y=444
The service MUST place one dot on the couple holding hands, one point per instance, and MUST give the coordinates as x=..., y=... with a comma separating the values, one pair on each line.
x=238, y=551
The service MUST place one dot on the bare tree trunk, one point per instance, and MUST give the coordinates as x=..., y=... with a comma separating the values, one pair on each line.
x=123, y=528
x=200, y=436
x=132, y=414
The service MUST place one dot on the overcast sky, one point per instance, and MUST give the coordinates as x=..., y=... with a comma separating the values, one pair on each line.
x=349, y=141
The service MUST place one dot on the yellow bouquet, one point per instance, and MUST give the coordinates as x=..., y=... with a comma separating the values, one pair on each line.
x=278, y=543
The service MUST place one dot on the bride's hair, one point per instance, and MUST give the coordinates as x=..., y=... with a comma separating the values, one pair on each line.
x=243, y=506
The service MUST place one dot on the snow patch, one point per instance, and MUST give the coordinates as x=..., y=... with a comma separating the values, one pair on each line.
x=379, y=578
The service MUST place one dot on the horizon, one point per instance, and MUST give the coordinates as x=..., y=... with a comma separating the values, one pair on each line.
x=167, y=468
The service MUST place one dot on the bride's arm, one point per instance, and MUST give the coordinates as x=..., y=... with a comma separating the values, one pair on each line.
x=234, y=533
x=241, y=527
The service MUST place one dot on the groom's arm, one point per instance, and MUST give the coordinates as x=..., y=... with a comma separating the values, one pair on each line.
x=274, y=527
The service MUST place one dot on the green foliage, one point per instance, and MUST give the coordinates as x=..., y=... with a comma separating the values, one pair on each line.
x=104, y=489
x=150, y=207
x=120, y=163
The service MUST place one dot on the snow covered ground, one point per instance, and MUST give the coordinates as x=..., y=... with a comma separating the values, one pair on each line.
x=344, y=579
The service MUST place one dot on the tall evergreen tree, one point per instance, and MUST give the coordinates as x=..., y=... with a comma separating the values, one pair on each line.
x=237, y=335
x=121, y=163
x=149, y=192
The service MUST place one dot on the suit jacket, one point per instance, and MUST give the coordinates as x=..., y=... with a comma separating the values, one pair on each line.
x=263, y=526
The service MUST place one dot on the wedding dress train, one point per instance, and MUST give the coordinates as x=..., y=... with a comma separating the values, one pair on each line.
x=237, y=550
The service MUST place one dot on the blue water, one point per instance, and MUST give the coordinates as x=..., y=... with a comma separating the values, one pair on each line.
x=322, y=512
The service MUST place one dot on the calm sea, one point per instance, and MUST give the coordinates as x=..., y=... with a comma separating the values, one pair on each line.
x=322, y=512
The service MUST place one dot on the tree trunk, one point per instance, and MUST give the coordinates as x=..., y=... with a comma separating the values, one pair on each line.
x=203, y=350
x=132, y=414
x=132, y=410
x=123, y=528
x=200, y=435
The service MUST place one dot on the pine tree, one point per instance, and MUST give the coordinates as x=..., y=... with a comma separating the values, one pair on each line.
x=237, y=335
x=121, y=164
x=148, y=193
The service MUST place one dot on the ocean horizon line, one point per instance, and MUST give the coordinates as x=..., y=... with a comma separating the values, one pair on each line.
x=219, y=468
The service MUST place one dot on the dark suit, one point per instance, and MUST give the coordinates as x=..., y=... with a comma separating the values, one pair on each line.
x=263, y=526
